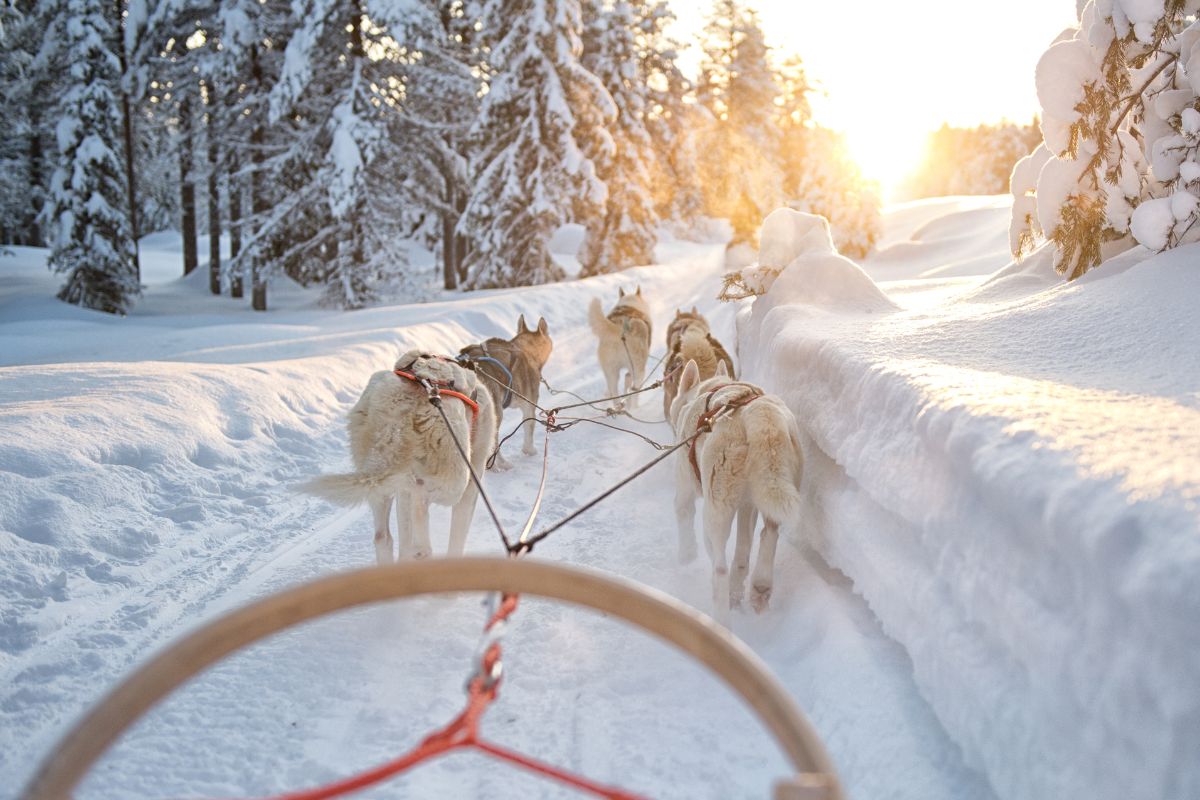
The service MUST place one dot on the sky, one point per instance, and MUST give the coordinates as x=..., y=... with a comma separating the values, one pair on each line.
x=892, y=71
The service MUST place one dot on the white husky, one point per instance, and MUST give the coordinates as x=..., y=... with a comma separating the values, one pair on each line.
x=402, y=449
x=624, y=336
x=749, y=463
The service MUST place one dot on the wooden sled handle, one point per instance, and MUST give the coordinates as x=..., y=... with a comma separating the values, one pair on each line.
x=649, y=609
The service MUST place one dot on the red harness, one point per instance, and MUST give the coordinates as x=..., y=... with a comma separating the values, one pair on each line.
x=443, y=387
x=711, y=411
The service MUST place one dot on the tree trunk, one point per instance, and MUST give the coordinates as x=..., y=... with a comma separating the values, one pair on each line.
x=449, y=246
x=461, y=243
x=235, y=224
x=33, y=229
x=214, y=198
x=127, y=125
x=258, y=200
x=187, y=189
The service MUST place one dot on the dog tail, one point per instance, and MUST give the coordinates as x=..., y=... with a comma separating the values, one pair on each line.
x=774, y=438
x=600, y=323
x=346, y=489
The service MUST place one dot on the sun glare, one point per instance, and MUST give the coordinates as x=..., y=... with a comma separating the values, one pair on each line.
x=892, y=73
x=885, y=157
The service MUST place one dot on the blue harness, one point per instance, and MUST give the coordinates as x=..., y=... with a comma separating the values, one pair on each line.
x=476, y=359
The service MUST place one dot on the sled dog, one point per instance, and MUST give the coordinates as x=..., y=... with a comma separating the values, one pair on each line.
x=624, y=335
x=403, y=450
x=511, y=370
x=748, y=463
x=689, y=339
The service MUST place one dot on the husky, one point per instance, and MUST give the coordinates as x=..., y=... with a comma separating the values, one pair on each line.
x=511, y=369
x=689, y=339
x=749, y=463
x=624, y=336
x=402, y=449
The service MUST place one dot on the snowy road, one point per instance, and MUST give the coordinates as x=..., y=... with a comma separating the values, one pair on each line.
x=581, y=691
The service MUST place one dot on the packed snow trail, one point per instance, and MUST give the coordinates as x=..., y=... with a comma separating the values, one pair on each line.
x=342, y=694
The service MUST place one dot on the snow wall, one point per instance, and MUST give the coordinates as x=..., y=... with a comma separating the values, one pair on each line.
x=1012, y=482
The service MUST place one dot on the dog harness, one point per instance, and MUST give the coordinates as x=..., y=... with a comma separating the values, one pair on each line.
x=751, y=394
x=442, y=387
x=469, y=361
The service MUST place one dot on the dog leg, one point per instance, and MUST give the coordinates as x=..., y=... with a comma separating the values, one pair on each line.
x=718, y=519
x=527, y=414
x=460, y=519
x=612, y=376
x=746, y=518
x=685, y=515
x=404, y=522
x=764, y=567
x=638, y=378
x=419, y=546
x=381, y=507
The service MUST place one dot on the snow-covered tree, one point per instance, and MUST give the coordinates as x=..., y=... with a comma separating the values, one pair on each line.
x=971, y=160
x=623, y=234
x=25, y=106
x=540, y=125
x=438, y=86
x=1121, y=126
x=740, y=159
x=672, y=119
x=829, y=182
x=92, y=241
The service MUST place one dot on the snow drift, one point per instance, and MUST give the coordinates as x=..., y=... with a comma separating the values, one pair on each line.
x=1011, y=479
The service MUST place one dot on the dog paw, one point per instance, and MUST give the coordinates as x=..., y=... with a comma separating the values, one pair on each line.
x=735, y=602
x=529, y=451
x=760, y=599
x=501, y=465
x=418, y=554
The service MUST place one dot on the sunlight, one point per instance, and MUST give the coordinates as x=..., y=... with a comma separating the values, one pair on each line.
x=887, y=159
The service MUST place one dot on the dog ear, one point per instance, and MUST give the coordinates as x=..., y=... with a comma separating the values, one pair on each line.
x=521, y=327
x=695, y=311
x=690, y=376
x=620, y=292
x=543, y=328
x=722, y=370
x=639, y=290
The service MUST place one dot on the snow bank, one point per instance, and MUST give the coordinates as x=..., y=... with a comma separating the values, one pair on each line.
x=1011, y=479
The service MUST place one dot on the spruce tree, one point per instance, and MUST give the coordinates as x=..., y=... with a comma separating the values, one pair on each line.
x=92, y=242
x=1122, y=130
x=539, y=128
x=623, y=235
x=740, y=156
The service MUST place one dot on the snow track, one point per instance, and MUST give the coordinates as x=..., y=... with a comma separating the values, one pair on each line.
x=342, y=694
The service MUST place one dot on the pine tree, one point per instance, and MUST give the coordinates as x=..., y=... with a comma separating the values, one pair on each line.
x=829, y=183
x=1122, y=130
x=740, y=156
x=441, y=73
x=672, y=119
x=92, y=241
x=541, y=121
x=25, y=109
x=623, y=235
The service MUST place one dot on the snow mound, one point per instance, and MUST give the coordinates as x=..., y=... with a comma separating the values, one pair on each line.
x=961, y=241
x=798, y=263
x=787, y=234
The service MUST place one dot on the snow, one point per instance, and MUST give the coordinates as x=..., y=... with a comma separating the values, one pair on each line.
x=992, y=596
x=1011, y=480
